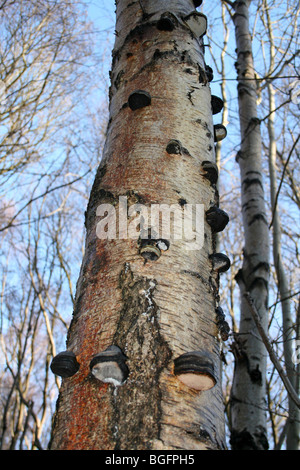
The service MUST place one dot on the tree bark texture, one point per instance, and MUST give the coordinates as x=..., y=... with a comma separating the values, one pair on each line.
x=292, y=441
x=153, y=311
x=248, y=395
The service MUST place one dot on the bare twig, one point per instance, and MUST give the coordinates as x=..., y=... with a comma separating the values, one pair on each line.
x=282, y=178
x=289, y=388
x=49, y=190
x=229, y=3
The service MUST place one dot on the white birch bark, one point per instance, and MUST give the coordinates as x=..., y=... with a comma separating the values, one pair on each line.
x=158, y=310
x=248, y=403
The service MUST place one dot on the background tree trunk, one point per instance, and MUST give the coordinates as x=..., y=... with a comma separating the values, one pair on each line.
x=153, y=311
x=292, y=434
x=248, y=394
x=292, y=441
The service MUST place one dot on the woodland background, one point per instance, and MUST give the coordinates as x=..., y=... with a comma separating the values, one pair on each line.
x=54, y=80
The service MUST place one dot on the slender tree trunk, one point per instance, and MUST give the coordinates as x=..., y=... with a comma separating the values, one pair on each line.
x=224, y=120
x=248, y=396
x=292, y=438
x=154, y=311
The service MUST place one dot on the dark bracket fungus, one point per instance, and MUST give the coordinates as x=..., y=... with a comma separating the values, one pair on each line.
x=222, y=324
x=211, y=171
x=197, y=3
x=197, y=22
x=217, y=219
x=174, y=147
x=216, y=104
x=209, y=73
x=150, y=249
x=109, y=366
x=224, y=330
x=221, y=262
x=196, y=370
x=220, y=314
x=64, y=364
x=139, y=99
x=150, y=252
x=220, y=132
x=167, y=22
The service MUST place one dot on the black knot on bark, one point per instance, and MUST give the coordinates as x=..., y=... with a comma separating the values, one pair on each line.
x=174, y=147
x=211, y=171
x=216, y=104
x=256, y=376
x=167, y=22
x=209, y=73
x=197, y=3
x=65, y=364
x=196, y=370
x=217, y=219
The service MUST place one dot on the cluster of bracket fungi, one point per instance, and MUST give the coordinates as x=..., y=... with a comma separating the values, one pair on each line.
x=108, y=366
x=195, y=369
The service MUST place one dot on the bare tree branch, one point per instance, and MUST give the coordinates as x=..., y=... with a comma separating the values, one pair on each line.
x=289, y=388
x=282, y=178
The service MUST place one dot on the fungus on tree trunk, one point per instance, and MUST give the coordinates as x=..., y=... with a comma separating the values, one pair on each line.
x=109, y=366
x=220, y=132
x=220, y=262
x=222, y=324
x=167, y=22
x=197, y=22
x=150, y=251
x=196, y=370
x=209, y=73
x=139, y=99
x=216, y=104
x=174, y=147
x=217, y=219
x=152, y=310
x=197, y=3
x=64, y=364
x=211, y=171
x=150, y=248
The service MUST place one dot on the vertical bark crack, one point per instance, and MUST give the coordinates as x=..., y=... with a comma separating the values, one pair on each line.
x=137, y=410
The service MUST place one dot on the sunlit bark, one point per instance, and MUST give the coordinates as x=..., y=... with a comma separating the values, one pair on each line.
x=154, y=311
x=248, y=394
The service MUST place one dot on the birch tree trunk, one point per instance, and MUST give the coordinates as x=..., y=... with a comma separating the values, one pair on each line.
x=248, y=395
x=292, y=440
x=154, y=310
